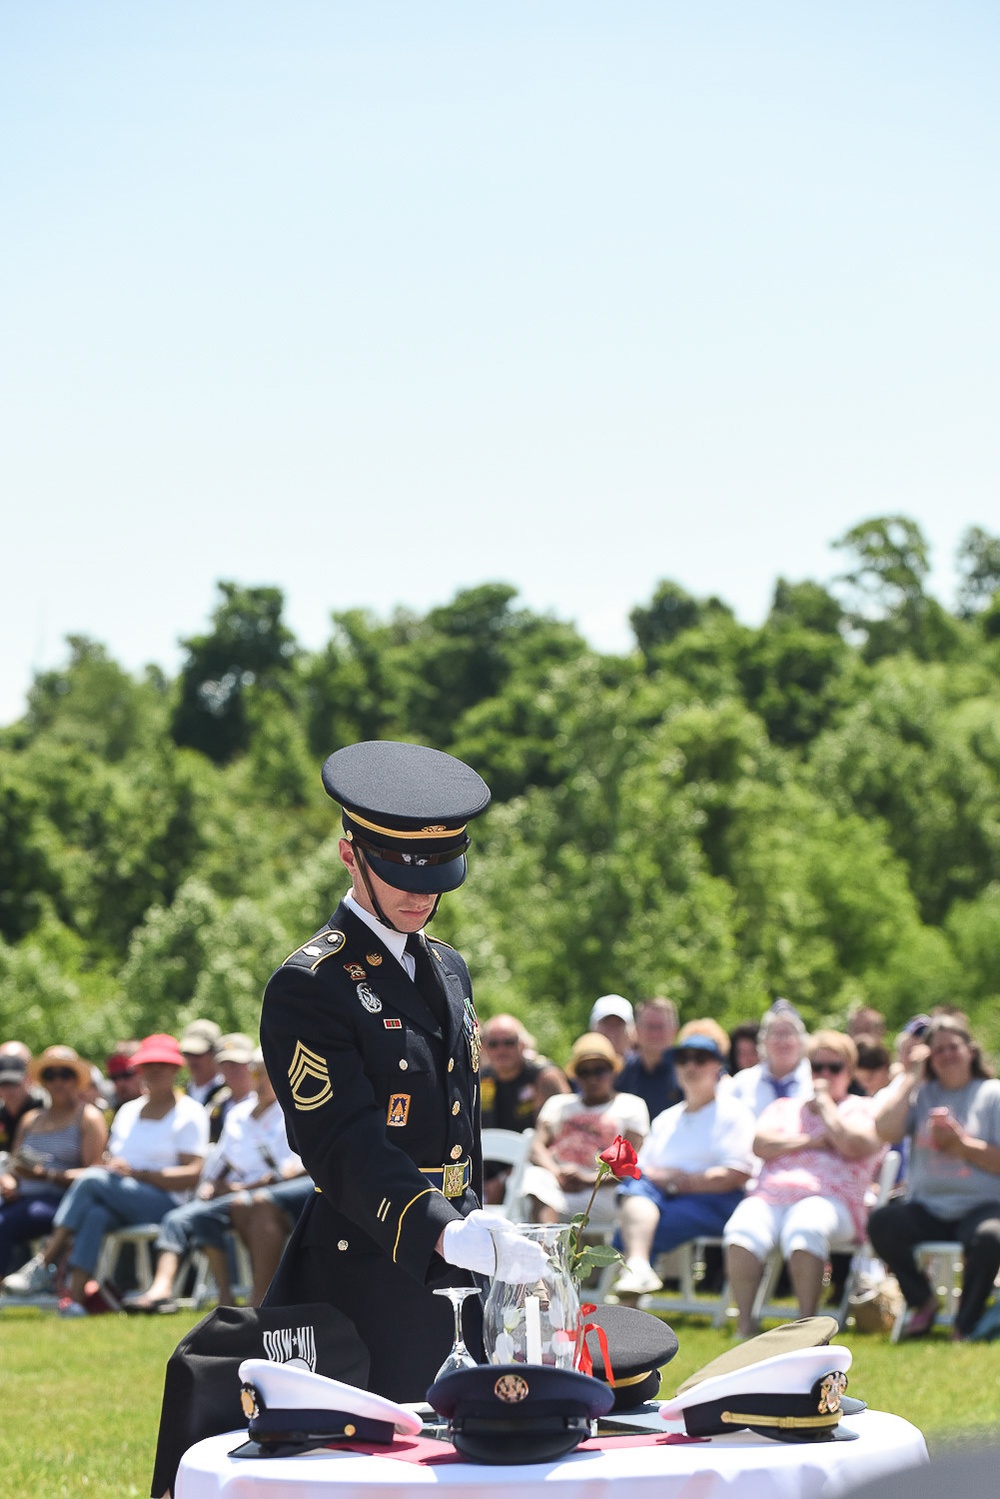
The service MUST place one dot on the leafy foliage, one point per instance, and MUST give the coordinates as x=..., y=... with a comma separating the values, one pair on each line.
x=811, y=807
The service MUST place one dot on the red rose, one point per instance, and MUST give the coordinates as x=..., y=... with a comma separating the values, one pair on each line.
x=621, y=1157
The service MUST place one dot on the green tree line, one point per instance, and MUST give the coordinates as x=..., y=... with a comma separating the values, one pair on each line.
x=722, y=814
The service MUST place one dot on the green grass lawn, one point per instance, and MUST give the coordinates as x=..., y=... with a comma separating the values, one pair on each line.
x=81, y=1398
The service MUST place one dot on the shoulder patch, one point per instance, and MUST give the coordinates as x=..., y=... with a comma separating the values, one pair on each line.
x=310, y=1079
x=311, y=954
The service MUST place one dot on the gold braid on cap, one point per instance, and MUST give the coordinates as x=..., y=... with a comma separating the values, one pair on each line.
x=785, y=1423
x=433, y=830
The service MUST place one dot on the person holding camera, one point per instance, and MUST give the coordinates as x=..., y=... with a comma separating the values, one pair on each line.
x=947, y=1104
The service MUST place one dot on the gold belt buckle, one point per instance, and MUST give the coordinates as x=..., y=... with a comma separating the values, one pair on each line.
x=454, y=1180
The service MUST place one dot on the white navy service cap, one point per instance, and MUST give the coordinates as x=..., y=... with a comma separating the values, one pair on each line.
x=287, y=1404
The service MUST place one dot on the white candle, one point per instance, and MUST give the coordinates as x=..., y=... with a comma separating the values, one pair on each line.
x=533, y=1329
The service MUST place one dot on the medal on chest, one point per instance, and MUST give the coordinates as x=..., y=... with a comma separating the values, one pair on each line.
x=369, y=999
x=471, y=1023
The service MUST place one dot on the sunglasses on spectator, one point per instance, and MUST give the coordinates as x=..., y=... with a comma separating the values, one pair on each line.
x=695, y=1058
x=833, y=1068
x=597, y=1070
x=495, y=1041
x=58, y=1075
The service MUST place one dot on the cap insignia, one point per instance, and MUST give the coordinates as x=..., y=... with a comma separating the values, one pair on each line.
x=310, y=1079
x=832, y=1387
x=511, y=1388
x=248, y=1400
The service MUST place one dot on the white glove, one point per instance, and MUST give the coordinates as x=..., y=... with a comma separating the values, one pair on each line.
x=492, y=1246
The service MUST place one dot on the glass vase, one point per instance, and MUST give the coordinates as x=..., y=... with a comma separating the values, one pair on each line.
x=538, y=1322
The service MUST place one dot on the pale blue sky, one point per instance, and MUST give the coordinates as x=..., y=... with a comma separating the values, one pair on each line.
x=377, y=301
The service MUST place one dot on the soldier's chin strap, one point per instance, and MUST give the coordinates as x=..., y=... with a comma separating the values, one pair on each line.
x=376, y=904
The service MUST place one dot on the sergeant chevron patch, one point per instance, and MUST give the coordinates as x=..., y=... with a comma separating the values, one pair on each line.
x=310, y=1079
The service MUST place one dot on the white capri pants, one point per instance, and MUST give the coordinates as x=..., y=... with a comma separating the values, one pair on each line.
x=812, y=1224
x=539, y=1183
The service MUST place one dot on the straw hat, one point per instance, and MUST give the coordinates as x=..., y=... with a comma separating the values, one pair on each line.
x=59, y=1056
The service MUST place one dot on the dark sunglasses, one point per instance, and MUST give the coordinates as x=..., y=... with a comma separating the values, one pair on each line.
x=833, y=1068
x=58, y=1075
x=695, y=1058
x=596, y=1071
x=496, y=1041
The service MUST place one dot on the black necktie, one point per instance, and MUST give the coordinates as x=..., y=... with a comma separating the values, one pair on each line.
x=425, y=978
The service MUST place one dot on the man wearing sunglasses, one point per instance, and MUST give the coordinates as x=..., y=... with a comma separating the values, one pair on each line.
x=124, y=1075
x=17, y=1097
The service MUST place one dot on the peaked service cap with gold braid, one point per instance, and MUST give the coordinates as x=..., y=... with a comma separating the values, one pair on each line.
x=407, y=807
x=795, y=1396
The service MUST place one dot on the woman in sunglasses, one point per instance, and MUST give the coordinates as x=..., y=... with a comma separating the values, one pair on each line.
x=820, y=1156
x=153, y=1160
x=695, y=1162
x=571, y=1132
x=51, y=1148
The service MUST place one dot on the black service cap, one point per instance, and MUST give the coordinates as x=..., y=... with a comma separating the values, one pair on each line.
x=407, y=807
x=518, y=1413
x=638, y=1344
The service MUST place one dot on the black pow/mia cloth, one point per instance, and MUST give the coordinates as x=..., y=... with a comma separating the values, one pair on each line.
x=378, y=1076
x=201, y=1394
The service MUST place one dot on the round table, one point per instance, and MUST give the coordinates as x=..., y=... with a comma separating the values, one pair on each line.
x=738, y=1463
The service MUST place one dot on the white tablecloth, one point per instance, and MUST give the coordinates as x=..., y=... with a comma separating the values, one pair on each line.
x=738, y=1465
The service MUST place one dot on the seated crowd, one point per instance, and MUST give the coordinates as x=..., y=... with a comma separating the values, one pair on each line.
x=198, y=1162
x=768, y=1139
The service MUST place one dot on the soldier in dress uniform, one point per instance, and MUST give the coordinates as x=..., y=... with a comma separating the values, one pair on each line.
x=371, y=1039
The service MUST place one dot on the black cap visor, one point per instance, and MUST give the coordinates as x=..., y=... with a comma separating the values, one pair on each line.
x=534, y=1440
x=417, y=868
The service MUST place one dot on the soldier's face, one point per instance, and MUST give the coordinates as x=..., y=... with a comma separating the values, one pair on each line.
x=407, y=911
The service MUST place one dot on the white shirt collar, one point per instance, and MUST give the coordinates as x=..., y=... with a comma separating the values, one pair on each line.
x=394, y=941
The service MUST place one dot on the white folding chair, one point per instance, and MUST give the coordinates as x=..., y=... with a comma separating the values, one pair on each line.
x=509, y=1148
x=142, y=1236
